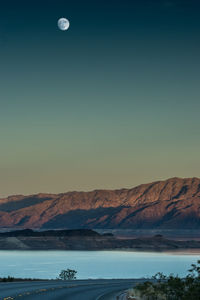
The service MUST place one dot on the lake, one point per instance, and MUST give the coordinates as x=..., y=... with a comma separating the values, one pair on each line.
x=94, y=264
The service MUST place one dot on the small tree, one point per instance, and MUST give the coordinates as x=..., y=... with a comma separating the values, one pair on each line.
x=68, y=274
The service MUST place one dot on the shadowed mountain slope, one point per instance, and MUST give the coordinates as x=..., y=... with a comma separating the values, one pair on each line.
x=169, y=204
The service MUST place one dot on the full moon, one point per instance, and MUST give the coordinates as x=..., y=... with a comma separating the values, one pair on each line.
x=63, y=24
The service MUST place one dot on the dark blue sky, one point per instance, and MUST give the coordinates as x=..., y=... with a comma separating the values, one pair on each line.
x=112, y=102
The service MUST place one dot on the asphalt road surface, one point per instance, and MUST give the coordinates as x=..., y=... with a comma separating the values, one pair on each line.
x=62, y=290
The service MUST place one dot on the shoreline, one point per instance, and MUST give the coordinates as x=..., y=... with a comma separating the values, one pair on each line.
x=181, y=251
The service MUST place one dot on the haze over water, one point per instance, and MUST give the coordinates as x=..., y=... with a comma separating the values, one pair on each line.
x=94, y=264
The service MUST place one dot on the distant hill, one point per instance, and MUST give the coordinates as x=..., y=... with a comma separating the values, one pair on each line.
x=53, y=233
x=86, y=239
x=169, y=204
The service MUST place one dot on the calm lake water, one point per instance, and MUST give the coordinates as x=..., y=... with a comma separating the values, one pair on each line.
x=94, y=264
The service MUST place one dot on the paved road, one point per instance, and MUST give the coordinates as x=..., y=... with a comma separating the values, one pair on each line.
x=59, y=290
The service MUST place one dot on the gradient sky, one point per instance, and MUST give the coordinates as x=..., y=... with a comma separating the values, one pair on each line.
x=112, y=102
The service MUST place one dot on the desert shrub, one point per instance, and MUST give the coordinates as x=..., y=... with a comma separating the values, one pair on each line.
x=171, y=287
x=68, y=274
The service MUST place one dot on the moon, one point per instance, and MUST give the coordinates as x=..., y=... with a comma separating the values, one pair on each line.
x=63, y=24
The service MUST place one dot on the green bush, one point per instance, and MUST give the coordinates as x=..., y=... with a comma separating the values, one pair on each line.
x=162, y=287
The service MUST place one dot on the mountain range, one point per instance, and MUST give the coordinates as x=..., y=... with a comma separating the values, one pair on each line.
x=169, y=204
